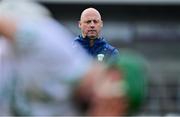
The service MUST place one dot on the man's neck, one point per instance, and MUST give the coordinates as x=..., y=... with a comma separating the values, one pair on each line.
x=91, y=41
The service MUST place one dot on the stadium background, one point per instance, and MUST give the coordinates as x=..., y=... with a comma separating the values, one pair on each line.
x=151, y=28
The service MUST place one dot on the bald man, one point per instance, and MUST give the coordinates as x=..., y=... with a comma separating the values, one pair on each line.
x=91, y=24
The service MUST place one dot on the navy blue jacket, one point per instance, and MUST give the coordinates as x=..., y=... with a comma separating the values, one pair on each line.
x=100, y=47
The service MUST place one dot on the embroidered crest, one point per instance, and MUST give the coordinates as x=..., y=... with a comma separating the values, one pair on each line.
x=100, y=57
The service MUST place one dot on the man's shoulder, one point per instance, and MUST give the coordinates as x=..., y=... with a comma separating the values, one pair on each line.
x=110, y=47
x=77, y=38
x=77, y=41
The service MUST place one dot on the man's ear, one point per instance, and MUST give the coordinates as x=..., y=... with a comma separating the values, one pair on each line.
x=79, y=23
x=101, y=23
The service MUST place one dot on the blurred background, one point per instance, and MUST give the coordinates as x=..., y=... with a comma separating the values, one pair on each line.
x=149, y=27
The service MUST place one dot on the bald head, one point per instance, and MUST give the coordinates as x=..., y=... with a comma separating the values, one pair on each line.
x=90, y=23
x=90, y=11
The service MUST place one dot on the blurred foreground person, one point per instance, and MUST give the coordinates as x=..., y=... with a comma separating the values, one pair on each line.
x=45, y=75
x=6, y=84
x=44, y=68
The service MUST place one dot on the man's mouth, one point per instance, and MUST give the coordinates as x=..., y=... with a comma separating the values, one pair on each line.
x=92, y=31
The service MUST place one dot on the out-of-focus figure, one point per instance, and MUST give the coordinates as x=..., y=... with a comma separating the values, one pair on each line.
x=6, y=81
x=44, y=68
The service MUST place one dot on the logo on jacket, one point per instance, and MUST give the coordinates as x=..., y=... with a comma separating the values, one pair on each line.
x=100, y=57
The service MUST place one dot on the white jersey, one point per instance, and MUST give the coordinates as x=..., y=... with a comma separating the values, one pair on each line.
x=46, y=66
x=6, y=77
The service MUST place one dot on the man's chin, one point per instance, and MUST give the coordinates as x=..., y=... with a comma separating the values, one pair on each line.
x=92, y=36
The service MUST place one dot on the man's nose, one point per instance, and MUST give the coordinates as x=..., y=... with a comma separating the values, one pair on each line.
x=92, y=24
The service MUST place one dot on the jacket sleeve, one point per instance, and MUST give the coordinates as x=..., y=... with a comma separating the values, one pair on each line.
x=115, y=53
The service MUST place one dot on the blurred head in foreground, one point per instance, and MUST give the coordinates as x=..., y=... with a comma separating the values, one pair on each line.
x=133, y=68
x=122, y=88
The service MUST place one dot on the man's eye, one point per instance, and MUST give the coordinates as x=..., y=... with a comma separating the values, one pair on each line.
x=95, y=21
x=88, y=22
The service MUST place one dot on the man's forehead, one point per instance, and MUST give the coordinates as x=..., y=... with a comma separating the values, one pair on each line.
x=90, y=18
x=90, y=13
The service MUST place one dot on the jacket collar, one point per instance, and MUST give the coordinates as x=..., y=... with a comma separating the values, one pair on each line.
x=99, y=40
